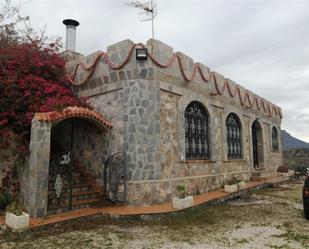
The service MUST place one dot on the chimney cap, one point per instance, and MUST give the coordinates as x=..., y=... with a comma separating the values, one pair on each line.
x=70, y=22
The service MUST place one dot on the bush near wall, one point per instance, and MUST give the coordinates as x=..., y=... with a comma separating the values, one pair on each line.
x=32, y=79
x=283, y=169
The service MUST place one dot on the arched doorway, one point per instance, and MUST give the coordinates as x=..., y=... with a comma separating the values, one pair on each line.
x=76, y=151
x=257, y=145
x=51, y=143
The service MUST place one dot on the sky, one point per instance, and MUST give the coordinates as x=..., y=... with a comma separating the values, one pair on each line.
x=260, y=44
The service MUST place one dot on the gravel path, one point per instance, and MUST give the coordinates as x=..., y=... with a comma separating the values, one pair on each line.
x=266, y=219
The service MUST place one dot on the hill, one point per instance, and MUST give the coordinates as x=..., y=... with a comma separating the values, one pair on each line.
x=296, y=157
x=289, y=142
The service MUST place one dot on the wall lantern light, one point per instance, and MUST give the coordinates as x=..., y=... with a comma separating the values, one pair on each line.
x=141, y=54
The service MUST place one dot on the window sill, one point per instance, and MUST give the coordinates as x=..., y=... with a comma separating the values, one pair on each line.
x=197, y=161
x=235, y=160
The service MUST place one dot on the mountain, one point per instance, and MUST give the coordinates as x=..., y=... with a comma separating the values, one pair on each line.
x=289, y=141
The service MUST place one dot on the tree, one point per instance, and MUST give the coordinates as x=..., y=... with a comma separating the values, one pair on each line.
x=32, y=79
x=9, y=19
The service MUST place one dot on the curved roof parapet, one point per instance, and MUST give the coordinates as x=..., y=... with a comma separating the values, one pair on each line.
x=73, y=112
x=174, y=64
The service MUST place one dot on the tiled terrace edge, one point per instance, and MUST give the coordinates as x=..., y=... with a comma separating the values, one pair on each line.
x=149, y=212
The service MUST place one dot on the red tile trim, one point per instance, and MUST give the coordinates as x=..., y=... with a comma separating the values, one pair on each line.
x=71, y=112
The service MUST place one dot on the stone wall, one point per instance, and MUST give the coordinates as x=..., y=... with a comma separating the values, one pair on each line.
x=110, y=104
x=146, y=100
x=142, y=129
x=158, y=191
x=34, y=178
x=90, y=149
x=200, y=175
x=169, y=146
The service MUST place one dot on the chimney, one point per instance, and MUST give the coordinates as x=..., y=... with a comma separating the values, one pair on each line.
x=71, y=34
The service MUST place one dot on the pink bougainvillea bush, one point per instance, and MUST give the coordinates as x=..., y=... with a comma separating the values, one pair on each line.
x=32, y=79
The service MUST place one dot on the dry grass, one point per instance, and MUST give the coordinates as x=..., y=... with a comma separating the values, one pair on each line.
x=274, y=224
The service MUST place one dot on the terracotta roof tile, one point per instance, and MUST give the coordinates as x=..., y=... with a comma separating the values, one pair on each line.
x=72, y=111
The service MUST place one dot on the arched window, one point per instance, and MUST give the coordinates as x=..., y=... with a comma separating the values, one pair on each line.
x=233, y=137
x=274, y=136
x=196, y=131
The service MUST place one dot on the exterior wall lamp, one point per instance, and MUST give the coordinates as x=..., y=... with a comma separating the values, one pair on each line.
x=141, y=54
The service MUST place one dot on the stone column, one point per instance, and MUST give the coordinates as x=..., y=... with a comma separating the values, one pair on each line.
x=36, y=188
x=142, y=129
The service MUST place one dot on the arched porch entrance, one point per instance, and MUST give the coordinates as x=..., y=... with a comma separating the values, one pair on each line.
x=77, y=149
x=257, y=145
x=65, y=166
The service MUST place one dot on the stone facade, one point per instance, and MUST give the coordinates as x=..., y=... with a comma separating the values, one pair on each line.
x=155, y=94
x=141, y=116
x=34, y=178
x=146, y=102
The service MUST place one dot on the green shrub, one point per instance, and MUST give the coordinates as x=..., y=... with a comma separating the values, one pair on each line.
x=302, y=171
x=15, y=208
x=283, y=169
x=181, y=191
x=232, y=181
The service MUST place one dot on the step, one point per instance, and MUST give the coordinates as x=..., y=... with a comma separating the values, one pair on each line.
x=84, y=177
x=77, y=181
x=78, y=176
x=79, y=187
x=258, y=176
x=75, y=194
x=85, y=192
x=78, y=203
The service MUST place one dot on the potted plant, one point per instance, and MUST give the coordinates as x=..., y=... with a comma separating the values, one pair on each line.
x=15, y=217
x=241, y=183
x=231, y=185
x=182, y=200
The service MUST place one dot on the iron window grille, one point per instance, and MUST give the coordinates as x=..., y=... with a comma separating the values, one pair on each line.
x=234, y=136
x=274, y=136
x=196, y=132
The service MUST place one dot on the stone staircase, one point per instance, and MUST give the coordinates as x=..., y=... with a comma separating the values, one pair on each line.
x=84, y=193
x=261, y=174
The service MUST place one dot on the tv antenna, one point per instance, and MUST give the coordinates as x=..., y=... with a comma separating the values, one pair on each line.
x=149, y=11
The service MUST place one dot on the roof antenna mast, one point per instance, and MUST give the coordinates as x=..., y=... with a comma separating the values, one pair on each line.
x=149, y=11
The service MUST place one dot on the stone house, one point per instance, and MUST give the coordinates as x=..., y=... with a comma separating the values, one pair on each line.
x=170, y=121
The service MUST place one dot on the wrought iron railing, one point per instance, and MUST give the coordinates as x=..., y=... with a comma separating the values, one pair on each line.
x=60, y=179
x=115, y=178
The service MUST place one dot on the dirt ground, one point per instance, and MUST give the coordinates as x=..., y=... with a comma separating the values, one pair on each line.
x=270, y=218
